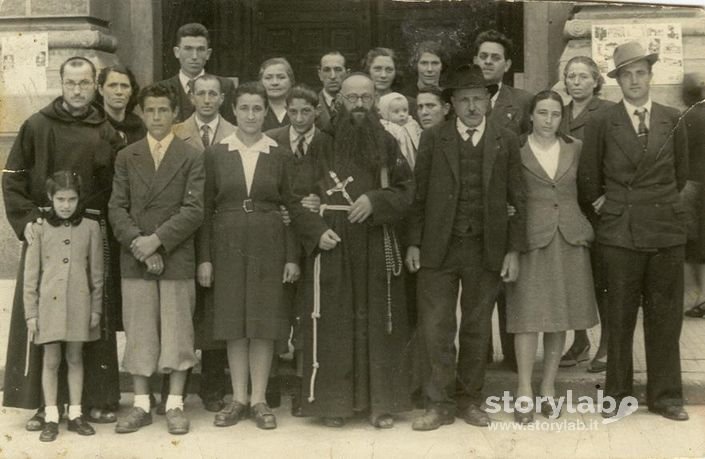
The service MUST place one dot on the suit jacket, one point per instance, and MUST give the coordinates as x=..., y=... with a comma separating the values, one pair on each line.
x=511, y=110
x=168, y=203
x=438, y=188
x=552, y=203
x=576, y=127
x=188, y=132
x=186, y=108
x=302, y=179
x=323, y=120
x=695, y=122
x=643, y=209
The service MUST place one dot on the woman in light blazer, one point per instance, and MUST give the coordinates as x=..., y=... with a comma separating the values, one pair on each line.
x=554, y=292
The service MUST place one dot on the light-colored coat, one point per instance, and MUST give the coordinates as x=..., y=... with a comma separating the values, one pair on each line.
x=552, y=203
x=168, y=203
x=188, y=132
x=63, y=281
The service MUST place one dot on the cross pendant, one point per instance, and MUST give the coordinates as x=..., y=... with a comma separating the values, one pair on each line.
x=340, y=186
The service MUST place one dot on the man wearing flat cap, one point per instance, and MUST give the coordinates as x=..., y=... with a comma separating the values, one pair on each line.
x=633, y=166
x=468, y=169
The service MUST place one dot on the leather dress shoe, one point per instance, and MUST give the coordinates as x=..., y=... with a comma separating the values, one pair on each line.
x=176, y=422
x=673, y=412
x=213, y=405
x=598, y=366
x=231, y=414
x=49, y=431
x=546, y=409
x=80, y=426
x=263, y=416
x=135, y=419
x=476, y=416
x=36, y=422
x=432, y=419
x=574, y=356
x=333, y=421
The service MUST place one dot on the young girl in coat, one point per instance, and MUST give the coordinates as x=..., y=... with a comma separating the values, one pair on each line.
x=63, y=291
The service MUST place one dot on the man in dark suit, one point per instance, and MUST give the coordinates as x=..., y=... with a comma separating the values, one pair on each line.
x=193, y=51
x=468, y=169
x=509, y=106
x=155, y=209
x=510, y=109
x=633, y=166
x=332, y=71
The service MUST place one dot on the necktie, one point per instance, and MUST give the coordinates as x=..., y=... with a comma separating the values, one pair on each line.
x=157, y=155
x=205, y=136
x=643, y=131
x=300, y=152
x=190, y=84
x=471, y=132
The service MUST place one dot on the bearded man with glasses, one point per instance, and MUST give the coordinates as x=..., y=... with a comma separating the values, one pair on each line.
x=355, y=333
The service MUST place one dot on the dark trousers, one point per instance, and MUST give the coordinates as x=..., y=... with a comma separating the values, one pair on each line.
x=658, y=278
x=437, y=295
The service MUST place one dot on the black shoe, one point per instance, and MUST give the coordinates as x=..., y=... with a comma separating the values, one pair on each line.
x=36, y=422
x=296, y=409
x=674, y=413
x=432, y=419
x=476, y=416
x=80, y=426
x=333, y=421
x=49, y=431
x=696, y=311
x=213, y=405
x=230, y=414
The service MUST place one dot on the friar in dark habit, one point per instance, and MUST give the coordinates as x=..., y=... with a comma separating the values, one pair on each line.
x=355, y=324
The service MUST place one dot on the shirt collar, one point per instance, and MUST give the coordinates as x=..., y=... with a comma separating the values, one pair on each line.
x=463, y=129
x=328, y=98
x=184, y=79
x=294, y=136
x=631, y=108
x=262, y=146
x=213, y=124
x=493, y=99
x=165, y=142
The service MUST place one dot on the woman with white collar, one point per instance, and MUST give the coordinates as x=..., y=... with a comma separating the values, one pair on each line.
x=246, y=252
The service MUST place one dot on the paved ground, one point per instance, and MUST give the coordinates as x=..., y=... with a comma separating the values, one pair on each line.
x=580, y=435
x=640, y=435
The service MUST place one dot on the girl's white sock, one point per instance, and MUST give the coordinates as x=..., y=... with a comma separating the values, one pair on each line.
x=142, y=401
x=174, y=401
x=51, y=414
x=74, y=412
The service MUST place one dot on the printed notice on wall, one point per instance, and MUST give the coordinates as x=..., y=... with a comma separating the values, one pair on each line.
x=24, y=63
x=664, y=39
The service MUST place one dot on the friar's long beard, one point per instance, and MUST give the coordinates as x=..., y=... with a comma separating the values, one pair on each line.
x=359, y=140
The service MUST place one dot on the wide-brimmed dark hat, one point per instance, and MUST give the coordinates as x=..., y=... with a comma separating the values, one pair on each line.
x=466, y=76
x=628, y=53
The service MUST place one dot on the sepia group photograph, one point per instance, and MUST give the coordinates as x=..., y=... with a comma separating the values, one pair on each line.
x=352, y=229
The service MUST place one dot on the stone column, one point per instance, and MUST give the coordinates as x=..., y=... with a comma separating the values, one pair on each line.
x=578, y=31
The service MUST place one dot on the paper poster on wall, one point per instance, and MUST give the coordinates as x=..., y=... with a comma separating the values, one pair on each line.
x=664, y=39
x=25, y=59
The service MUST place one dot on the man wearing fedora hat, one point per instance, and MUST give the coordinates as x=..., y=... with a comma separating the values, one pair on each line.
x=633, y=166
x=468, y=169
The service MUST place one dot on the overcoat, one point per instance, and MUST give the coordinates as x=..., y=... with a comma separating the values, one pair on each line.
x=575, y=127
x=438, y=189
x=49, y=141
x=63, y=281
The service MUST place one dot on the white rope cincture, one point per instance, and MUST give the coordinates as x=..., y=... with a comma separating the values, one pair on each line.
x=316, y=314
x=30, y=338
